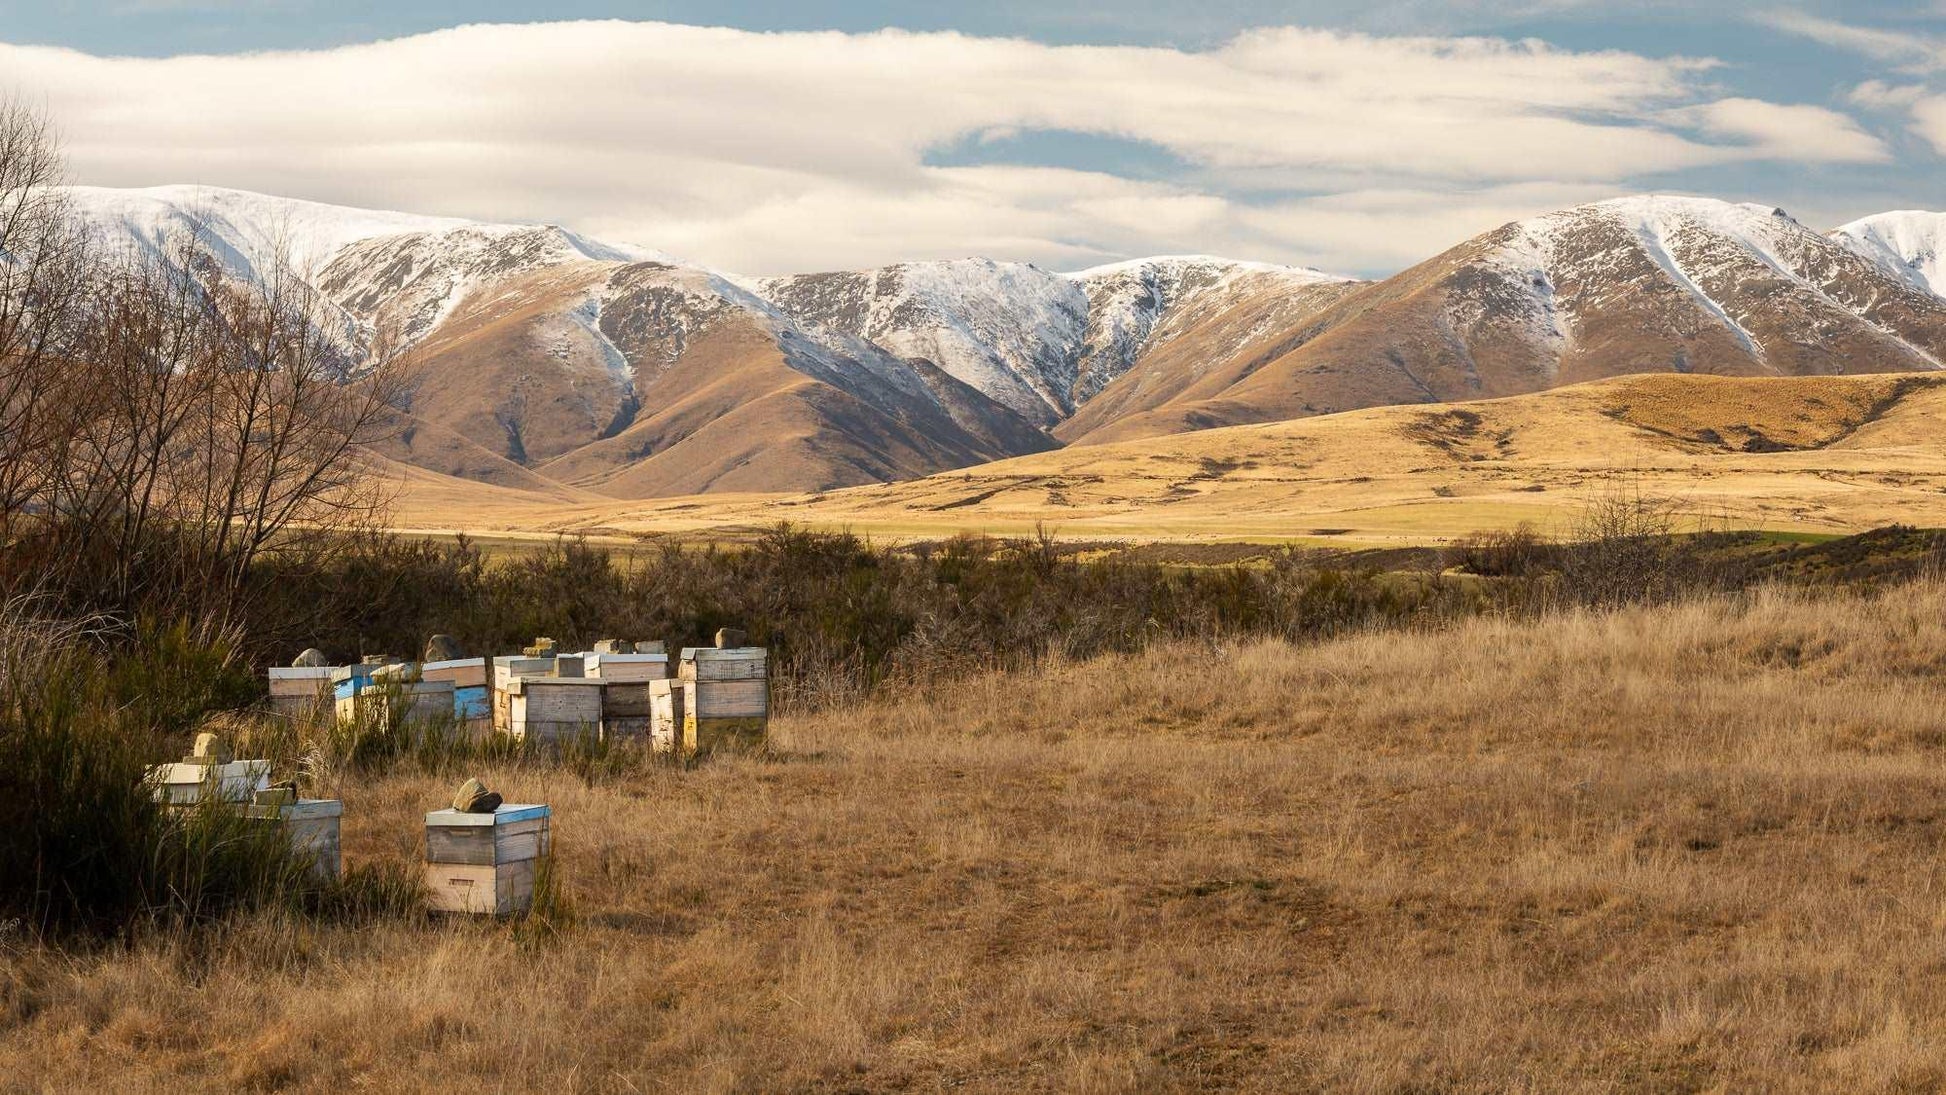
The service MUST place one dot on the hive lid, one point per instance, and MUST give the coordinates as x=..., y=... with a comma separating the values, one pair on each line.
x=304, y=809
x=505, y=815
x=732, y=654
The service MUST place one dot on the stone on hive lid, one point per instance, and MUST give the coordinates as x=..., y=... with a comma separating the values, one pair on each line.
x=474, y=798
x=442, y=648
x=730, y=638
x=312, y=658
x=656, y=647
x=209, y=749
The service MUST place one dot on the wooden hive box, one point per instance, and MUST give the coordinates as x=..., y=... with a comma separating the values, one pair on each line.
x=388, y=704
x=464, y=672
x=629, y=701
x=665, y=715
x=486, y=864
x=511, y=668
x=300, y=691
x=633, y=668
x=554, y=709
x=312, y=824
x=349, y=680
x=506, y=670
x=722, y=715
x=708, y=663
x=185, y=784
x=634, y=729
x=473, y=710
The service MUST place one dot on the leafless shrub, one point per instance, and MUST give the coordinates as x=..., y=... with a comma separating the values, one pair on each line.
x=163, y=423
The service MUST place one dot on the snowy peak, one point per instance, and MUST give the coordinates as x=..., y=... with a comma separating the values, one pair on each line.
x=1715, y=281
x=1908, y=244
x=1010, y=330
x=1040, y=343
x=1138, y=306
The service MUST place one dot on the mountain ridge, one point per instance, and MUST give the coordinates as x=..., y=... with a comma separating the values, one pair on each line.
x=548, y=356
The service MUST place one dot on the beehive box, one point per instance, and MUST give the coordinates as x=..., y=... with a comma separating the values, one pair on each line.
x=486, y=864
x=185, y=784
x=511, y=668
x=724, y=715
x=463, y=672
x=312, y=824
x=300, y=691
x=628, y=701
x=554, y=709
x=630, y=729
x=708, y=663
x=473, y=710
x=399, y=704
x=506, y=670
x=631, y=668
x=665, y=715
x=349, y=680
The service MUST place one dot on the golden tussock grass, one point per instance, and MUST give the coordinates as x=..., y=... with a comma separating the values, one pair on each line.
x=1684, y=848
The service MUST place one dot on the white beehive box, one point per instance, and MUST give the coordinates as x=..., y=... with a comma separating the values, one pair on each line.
x=185, y=784
x=632, y=668
x=463, y=672
x=486, y=864
x=312, y=824
x=554, y=709
x=511, y=668
x=708, y=663
x=300, y=691
x=665, y=715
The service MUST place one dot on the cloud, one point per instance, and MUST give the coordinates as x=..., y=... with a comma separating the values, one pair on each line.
x=1912, y=53
x=773, y=151
x=1879, y=95
x=1805, y=133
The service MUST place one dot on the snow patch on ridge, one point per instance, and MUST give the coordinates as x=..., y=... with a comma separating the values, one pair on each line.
x=1909, y=244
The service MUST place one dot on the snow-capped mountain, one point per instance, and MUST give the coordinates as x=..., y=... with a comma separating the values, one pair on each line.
x=1643, y=284
x=1011, y=330
x=548, y=357
x=1908, y=243
x=1041, y=343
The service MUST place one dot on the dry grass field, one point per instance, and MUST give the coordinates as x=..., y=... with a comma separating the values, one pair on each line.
x=1814, y=454
x=1691, y=848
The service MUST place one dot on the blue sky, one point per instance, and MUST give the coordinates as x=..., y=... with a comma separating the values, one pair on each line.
x=1362, y=137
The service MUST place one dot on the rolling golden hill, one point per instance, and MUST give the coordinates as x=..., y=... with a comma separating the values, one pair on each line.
x=1809, y=454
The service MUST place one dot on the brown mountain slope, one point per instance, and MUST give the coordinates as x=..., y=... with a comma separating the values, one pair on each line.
x=648, y=378
x=734, y=415
x=1199, y=351
x=1640, y=285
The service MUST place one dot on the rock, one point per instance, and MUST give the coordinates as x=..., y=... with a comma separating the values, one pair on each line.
x=209, y=749
x=378, y=659
x=442, y=648
x=730, y=638
x=474, y=798
x=543, y=648
x=312, y=658
x=656, y=647
x=614, y=646
x=277, y=794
